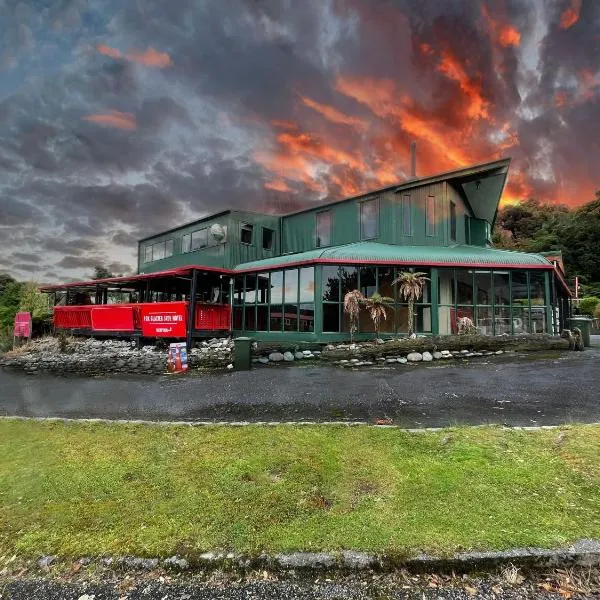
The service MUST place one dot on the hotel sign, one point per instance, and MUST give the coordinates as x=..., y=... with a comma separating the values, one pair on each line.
x=164, y=319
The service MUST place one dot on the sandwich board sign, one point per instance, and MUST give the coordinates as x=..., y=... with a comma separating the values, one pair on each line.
x=22, y=325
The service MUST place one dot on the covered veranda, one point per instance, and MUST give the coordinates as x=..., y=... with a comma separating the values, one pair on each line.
x=182, y=303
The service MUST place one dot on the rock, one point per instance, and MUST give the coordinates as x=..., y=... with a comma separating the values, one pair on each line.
x=316, y=352
x=354, y=360
x=276, y=356
x=414, y=357
x=437, y=355
x=343, y=361
x=391, y=360
x=445, y=352
x=307, y=352
x=288, y=356
x=230, y=366
x=352, y=347
x=46, y=561
x=379, y=341
x=464, y=351
x=427, y=356
x=299, y=355
x=175, y=562
x=499, y=351
x=402, y=360
x=330, y=347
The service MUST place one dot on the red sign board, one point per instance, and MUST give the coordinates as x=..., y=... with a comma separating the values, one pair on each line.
x=112, y=318
x=164, y=319
x=23, y=325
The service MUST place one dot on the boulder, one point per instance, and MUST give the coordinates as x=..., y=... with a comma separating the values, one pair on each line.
x=276, y=356
x=427, y=356
x=299, y=355
x=402, y=360
x=307, y=352
x=288, y=356
x=437, y=355
x=414, y=357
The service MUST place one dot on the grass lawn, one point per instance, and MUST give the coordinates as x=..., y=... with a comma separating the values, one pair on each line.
x=76, y=489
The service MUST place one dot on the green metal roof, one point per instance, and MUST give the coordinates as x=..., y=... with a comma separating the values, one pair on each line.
x=374, y=252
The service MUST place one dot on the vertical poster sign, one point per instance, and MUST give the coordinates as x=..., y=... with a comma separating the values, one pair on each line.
x=177, y=361
x=22, y=325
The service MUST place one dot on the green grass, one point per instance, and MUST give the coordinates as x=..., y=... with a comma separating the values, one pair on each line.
x=77, y=489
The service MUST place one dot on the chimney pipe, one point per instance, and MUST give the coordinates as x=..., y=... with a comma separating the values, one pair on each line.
x=413, y=160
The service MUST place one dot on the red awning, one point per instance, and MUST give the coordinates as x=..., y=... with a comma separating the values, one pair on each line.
x=128, y=279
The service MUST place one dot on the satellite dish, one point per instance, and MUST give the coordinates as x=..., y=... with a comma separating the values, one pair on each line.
x=218, y=232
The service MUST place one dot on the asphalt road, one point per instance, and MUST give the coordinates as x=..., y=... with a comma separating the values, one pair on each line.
x=514, y=389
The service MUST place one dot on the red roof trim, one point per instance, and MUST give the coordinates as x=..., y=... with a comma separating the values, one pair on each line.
x=132, y=278
x=362, y=261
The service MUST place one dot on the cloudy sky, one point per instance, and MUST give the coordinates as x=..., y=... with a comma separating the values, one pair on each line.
x=122, y=118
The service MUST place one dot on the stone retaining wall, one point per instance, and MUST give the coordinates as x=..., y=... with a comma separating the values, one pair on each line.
x=100, y=357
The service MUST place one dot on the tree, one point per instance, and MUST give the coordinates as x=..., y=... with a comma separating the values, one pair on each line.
x=376, y=305
x=101, y=272
x=33, y=301
x=352, y=302
x=588, y=305
x=411, y=289
x=10, y=299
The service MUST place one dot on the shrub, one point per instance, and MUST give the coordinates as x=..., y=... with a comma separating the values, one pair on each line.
x=597, y=312
x=588, y=305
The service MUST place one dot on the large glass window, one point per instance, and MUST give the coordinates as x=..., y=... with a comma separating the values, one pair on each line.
x=369, y=211
x=368, y=281
x=407, y=215
x=464, y=286
x=430, y=215
x=148, y=254
x=483, y=287
x=158, y=251
x=200, y=239
x=186, y=243
x=323, y=228
x=268, y=237
x=501, y=288
x=250, y=289
x=168, y=248
x=291, y=286
x=307, y=284
x=276, y=287
x=331, y=284
x=246, y=233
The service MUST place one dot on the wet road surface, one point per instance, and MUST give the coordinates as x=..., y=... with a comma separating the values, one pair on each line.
x=525, y=390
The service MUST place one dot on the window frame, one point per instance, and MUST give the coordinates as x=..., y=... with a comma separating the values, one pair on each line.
x=183, y=243
x=453, y=221
x=407, y=210
x=146, y=249
x=247, y=227
x=430, y=228
x=318, y=214
x=362, y=203
x=199, y=231
x=272, y=232
x=170, y=242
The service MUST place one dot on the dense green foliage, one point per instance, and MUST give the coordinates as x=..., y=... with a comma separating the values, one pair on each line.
x=78, y=489
x=533, y=226
x=587, y=305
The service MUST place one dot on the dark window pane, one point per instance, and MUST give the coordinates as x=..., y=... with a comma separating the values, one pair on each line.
x=237, y=317
x=323, y=228
x=168, y=248
x=331, y=317
x=453, y=221
x=263, y=288
x=483, y=287
x=276, y=288
x=368, y=219
x=268, y=237
x=349, y=279
x=386, y=277
x=537, y=282
x=519, y=288
x=199, y=239
x=464, y=286
x=520, y=320
x=290, y=317
x=501, y=288
x=186, y=242
x=291, y=286
x=148, y=254
x=538, y=319
x=331, y=283
x=407, y=215
x=368, y=285
x=484, y=320
x=276, y=314
x=423, y=319
x=307, y=284
x=246, y=234
x=262, y=318
x=430, y=215
x=238, y=289
x=307, y=317
x=250, y=293
x=250, y=318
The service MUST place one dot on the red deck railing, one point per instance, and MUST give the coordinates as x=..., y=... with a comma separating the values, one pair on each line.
x=208, y=317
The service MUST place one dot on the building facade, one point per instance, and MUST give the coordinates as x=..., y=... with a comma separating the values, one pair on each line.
x=285, y=277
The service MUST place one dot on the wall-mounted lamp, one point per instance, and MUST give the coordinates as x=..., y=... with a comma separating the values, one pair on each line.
x=477, y=184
